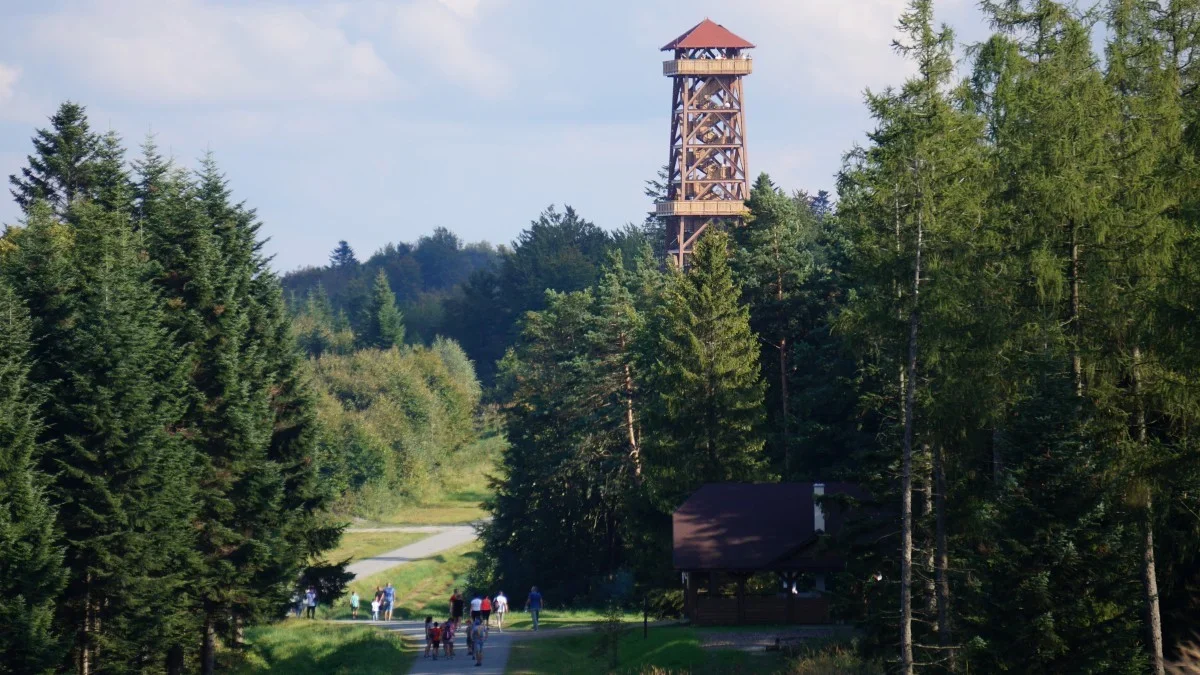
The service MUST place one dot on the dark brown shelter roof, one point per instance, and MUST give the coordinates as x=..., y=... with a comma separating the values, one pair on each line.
x=755, y=526
x=707, y=35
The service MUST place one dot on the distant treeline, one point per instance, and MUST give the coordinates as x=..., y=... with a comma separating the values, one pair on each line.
x=473, y=293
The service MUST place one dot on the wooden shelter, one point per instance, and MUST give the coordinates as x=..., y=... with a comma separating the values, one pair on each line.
x=726, y=534
x=707, y=182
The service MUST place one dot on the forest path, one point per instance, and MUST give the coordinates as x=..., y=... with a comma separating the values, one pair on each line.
x=445, y=538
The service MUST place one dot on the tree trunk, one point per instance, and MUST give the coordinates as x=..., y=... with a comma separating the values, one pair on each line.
x=175, y=660
x=928, y=535
x=208, y=646
x=783, y=410
x=1076, y=327
x=1149, y=573
x=906, y=476
x=635, y=450
x=783, y=385
x=945, y=640
x=997, y=457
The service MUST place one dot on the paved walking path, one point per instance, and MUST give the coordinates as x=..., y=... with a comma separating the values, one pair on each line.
x=495, y=652
x=446, y=538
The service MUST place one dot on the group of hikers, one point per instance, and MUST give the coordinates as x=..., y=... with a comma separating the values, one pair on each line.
x=439, y=635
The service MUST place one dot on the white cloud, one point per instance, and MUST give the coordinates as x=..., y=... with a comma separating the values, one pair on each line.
x=444, y=34
x=8, y=81
x=185, y=50
x=467, y=9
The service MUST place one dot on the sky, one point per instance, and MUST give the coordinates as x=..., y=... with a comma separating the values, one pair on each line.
x=376, y=121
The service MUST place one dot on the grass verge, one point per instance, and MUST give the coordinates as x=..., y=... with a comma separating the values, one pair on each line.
x=668, y=649
x=302, y=648
x=551, y=619
x=358, y=545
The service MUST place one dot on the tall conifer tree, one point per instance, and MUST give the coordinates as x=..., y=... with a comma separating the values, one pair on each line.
x=61, y=170
x=31, y=560
x=705, y=418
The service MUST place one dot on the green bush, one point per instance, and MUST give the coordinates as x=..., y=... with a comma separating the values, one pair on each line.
x=394, y=423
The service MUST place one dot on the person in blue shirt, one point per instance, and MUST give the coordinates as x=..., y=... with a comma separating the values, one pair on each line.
x=389, y=599
x=534, y=605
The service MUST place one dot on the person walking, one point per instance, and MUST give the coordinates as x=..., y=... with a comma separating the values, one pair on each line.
x=476, y=608
x=456, y=605
x=533, y=605
x=375, y=610
x=500, y=607
x=389, y=599
x=486, y=608
x=354, y=600
x=310, y=601
x=297, y=603
x=379, y=597
x=448, y=629
x=478, y=636
x=435, y=634
x=428, y=635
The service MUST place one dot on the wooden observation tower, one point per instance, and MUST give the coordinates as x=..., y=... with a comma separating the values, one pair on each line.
x=707, y=183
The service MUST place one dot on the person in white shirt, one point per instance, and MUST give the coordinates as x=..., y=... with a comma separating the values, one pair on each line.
x=501, y=608
x=476, y=607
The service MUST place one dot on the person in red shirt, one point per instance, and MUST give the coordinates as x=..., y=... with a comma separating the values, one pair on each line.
x=435, y=634
x=486, y=608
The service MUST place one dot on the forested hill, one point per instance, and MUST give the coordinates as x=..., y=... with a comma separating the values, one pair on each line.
x=474, y=293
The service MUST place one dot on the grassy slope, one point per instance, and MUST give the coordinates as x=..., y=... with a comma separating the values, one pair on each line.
x=422, y=586
x=300, y=648
x=358, y=545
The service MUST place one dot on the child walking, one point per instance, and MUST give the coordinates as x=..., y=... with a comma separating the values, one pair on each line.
x=428, y=635
x=375, y=610
x=448, y=630
x=435, y=634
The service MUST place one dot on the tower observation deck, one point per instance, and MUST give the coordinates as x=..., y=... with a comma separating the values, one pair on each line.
x=707, y=184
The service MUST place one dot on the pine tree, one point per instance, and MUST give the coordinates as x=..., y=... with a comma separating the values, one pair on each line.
x=259, y=491
x=705, y=417
x=111, y=188
x=342, y=256
x=382, y=322
x=122, y=476
x=31, y=559
x=62, y=168
x=773, y=262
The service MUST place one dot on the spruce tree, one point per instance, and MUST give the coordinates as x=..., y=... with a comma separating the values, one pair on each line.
x=382, y=323
x=259, y=491
x=111, y=187
x=115, y=398
x=61, y=170
x=773, y=262
x=342, y=256
x=705, y=416
x=31, y=559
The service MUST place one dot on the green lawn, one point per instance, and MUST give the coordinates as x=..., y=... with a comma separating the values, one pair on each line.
x=297, y=647
x=676, y=649
x=669, y=648
x=358, y=545
x=422, y=587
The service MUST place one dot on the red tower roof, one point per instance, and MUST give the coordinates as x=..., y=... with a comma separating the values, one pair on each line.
x=707, y=35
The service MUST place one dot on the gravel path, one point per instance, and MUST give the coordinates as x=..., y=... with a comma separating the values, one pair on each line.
x=446, y=538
